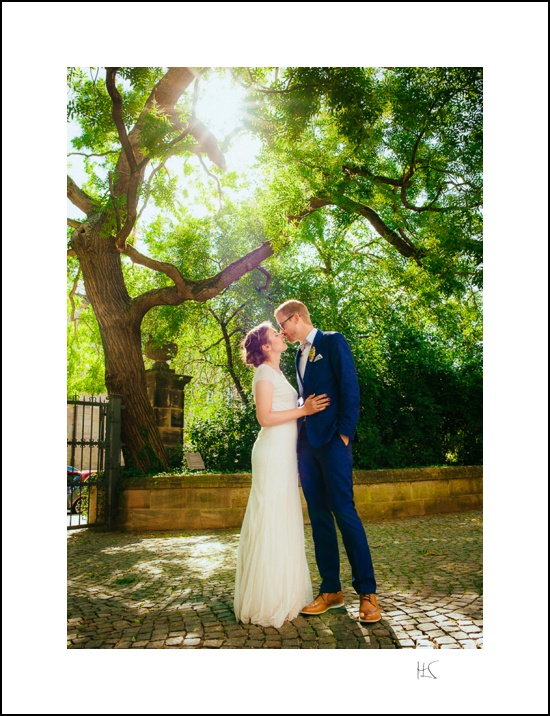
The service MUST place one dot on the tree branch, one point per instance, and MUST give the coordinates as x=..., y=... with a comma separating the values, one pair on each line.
x=82, y=154
x=405, y=249
x=175, y=141
x=148, y=186
x=431, y=207
x=71, y=299
x=263, y=90
x=116, y=99
x=79, y=198
x=412, y=167
x=227, y=140
x=226, y=337
x=314, y=204
x=196, y=91
x=135, y=172
x=215, y=178
x=74, y=223
x=131, y=164
x=115, y=202
x=217, y=343
x=182, y=284
x=192, y=290
x=351, y=170
x=267, y=279
x=427, y=207
x=207, y=142
x=240, y=308
x=405, y=238
x=165, y=94
x=460, y=187
x=208, y=288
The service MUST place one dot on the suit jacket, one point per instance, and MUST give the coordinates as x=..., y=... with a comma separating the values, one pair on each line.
x=330, y=369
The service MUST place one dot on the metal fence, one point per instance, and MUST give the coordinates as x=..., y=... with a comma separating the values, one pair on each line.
x=93, y=460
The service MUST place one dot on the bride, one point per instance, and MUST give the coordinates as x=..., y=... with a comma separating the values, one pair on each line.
x=272, y=582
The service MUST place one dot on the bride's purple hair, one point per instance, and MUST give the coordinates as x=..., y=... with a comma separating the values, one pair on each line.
x=252, y=352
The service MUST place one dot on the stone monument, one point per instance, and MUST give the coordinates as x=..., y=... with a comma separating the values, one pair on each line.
x=165, y=389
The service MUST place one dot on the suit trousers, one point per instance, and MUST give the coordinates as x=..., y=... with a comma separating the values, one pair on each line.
x=327, y=481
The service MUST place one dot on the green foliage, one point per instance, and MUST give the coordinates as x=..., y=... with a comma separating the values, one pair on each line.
x=418, y=357
x=175, y=456
x=85, y=358
x=349, y=94
x=417, y=408
x=225, y=440
x=414, y=413
x=403, y=144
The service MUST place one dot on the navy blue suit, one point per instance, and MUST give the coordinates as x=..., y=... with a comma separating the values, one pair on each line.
x=325, y=462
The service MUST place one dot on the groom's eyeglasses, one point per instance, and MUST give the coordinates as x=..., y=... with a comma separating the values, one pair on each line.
x=281, y=325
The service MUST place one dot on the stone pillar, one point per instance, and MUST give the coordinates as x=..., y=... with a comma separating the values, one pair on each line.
x=165, y=389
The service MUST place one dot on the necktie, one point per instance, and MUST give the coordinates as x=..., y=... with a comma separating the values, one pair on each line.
x=303, y=357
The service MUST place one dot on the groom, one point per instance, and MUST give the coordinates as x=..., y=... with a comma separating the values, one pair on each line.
x=324, y=364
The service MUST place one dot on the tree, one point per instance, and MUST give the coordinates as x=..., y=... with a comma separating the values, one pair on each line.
x=159, y=127
x=345, y=140
x=399, y=148
x=418, y=357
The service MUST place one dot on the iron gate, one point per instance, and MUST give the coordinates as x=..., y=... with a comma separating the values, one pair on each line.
x=93, y=461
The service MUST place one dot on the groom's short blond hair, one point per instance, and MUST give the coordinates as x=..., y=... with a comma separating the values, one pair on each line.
x=290, y=307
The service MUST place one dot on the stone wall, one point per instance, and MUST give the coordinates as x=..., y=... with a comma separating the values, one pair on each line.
x=205, y=501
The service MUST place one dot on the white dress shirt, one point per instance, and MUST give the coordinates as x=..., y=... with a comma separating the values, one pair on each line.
x=307, y=345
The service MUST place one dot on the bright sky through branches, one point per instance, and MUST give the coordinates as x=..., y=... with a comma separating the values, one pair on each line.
x=220, y=107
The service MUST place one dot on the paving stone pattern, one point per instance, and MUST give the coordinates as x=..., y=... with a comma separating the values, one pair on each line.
x=174, y=590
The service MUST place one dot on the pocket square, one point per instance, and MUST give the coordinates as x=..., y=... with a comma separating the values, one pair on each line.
x=319, y=357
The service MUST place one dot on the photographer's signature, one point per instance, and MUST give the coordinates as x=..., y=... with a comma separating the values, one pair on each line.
x=425, y=672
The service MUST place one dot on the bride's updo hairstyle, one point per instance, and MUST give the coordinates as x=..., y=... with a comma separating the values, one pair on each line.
x=252, y=352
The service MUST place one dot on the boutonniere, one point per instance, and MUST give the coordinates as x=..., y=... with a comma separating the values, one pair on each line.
x=319, y=357
x=311, y=354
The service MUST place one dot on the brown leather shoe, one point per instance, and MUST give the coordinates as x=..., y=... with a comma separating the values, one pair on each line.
x=369, y=611
x=324, y=602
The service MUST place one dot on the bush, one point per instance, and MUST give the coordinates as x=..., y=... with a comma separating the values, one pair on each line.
x=225, y=442
x=419, y=407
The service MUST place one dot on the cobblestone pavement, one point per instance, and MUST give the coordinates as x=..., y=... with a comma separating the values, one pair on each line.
x=174, y=590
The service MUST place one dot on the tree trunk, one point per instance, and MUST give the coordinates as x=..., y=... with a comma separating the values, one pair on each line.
x=121, y=337
x=230, y=364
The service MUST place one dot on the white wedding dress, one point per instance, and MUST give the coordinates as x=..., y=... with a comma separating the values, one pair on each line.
x=272, y=582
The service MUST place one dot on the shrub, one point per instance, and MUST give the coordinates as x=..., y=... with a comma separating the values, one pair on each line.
x=419, y=407
x=225, y=442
